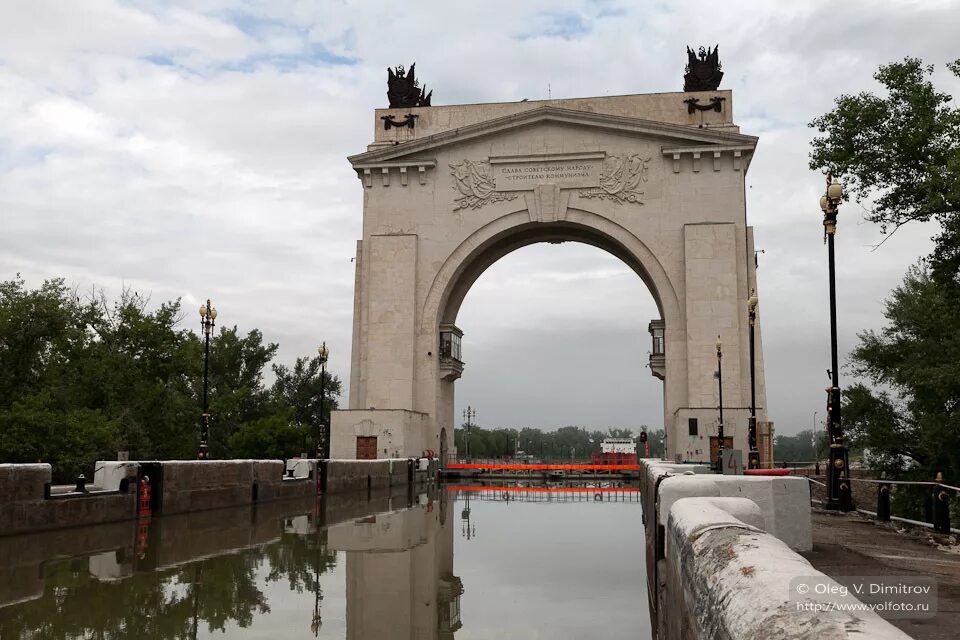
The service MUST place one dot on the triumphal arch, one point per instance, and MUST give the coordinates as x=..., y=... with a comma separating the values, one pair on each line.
x=654, y=179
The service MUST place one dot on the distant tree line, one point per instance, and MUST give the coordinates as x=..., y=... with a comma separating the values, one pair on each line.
x=83, y=377
x=565, y=443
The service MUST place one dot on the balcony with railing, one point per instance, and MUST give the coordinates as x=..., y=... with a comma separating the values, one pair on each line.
x=451, y=360
x=658, y=363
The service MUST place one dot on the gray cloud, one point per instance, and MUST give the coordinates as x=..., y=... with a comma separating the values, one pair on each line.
x=197, y=149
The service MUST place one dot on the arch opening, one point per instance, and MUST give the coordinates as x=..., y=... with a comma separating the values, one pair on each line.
x=556, y=336
x=501, y=244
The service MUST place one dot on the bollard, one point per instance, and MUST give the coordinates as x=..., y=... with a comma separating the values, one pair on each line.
x=941, y=507
x=846, y=494
x=81, y=484
x=144, y=496
x=883, y=500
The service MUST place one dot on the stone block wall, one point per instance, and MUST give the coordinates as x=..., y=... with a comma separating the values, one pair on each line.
x=195, y=485
x=182, y=486
x=25, y=507
x=344, y=476
x=721, y=555
x=730, y=579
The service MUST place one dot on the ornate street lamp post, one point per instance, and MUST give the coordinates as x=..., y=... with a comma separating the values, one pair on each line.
x=753, y=459
x=719, y=463
x=838, y=481
x=469, y=414
x=207, y=316
x=323, y=432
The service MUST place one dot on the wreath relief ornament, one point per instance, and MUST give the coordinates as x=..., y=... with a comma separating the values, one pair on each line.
x=477, y=187
x=620, y=178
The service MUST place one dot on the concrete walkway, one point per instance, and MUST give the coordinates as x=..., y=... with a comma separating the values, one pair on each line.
x=852, y=545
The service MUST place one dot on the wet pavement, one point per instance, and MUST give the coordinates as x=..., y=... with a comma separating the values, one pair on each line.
x=852, y=545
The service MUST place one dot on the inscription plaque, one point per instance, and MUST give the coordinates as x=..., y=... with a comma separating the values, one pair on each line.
x=512, y=175
x=567, y=170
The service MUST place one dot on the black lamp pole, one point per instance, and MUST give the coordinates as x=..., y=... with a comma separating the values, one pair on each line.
x=316, y=621
x=323, y=433
x=839, y=496
x=719, y=467
x=753, y=459
x=469, y=414
x=207, y=316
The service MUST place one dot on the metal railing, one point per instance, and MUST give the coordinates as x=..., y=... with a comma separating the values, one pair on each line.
x=919, y=503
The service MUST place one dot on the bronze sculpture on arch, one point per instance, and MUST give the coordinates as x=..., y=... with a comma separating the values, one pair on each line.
x=703, y=72
x=403, y=90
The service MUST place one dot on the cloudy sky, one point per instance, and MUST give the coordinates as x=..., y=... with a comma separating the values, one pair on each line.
x=197, y=149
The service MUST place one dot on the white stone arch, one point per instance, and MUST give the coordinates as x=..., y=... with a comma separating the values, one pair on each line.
x=656, y=180
x=486, y=245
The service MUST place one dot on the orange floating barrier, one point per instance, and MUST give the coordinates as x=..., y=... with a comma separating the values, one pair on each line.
x=510, y=466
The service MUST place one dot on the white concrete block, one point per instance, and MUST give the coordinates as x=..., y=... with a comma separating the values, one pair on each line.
x=784, y=501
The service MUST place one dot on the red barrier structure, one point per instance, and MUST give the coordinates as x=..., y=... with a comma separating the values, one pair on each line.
x=766, y=472
x=145, y=508
x=512, y=466
x=508, y=489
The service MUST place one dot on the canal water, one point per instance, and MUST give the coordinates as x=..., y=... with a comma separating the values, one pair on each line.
x=466, y=562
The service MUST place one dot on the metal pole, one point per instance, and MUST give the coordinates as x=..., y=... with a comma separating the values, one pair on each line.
x=838, y=483
x=324, y=435
x=323, y=432
x=753, y=459
x=720, y=447
x=816, y=444
x=469, y=413
x=207, y=316
x=205, y=416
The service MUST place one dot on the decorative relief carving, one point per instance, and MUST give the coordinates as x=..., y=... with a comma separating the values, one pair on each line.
x=620, y=178
x=410, y=120
x=617, y=179
x=476, y=184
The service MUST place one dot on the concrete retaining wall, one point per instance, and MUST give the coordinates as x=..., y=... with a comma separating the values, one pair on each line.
x=783, y=501
x=180, y=486
x=721, y=555
x=25, y=507
x=195, y=485
x=343, y=476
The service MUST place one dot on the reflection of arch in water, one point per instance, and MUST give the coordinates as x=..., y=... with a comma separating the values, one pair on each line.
x=443, y=446
x=399, y=567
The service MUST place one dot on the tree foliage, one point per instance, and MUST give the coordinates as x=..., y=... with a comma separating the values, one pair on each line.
x=565, y=443
x=83, y=377
x=910, y=419
x=899, y=155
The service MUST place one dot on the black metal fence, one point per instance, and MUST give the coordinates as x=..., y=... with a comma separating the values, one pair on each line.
x=933, y=504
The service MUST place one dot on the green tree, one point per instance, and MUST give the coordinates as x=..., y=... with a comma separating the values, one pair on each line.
x=912, y=422
x=299, y=388
x=83, y=376
x=802, y=447
x=237, y=393
x=273, y=436
x=138, y=368
x=899, y=154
